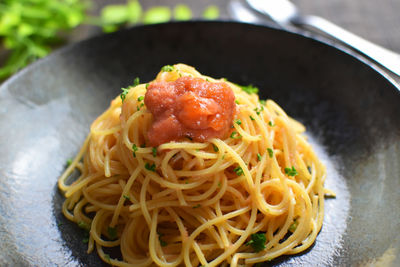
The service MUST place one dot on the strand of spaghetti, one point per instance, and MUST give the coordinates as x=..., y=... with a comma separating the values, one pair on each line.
x=122, y=199
x=71, y=167
x=237, y=159
x=207, y=225
x=142, y=202
x=153, y=245
x=95, y=230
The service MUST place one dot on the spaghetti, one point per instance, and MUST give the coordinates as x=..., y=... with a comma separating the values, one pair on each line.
x=248, y=198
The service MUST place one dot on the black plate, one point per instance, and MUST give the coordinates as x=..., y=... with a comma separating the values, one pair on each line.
x=351, y=111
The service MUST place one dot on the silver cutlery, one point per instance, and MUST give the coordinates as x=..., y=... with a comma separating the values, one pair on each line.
x=286, y=15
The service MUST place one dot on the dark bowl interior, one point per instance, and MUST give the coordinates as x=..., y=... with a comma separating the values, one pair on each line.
x=351, y=111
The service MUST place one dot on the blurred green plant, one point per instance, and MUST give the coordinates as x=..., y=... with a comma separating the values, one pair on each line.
x=30, y=29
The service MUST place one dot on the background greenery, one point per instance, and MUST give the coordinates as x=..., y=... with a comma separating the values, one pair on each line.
x=30, y=29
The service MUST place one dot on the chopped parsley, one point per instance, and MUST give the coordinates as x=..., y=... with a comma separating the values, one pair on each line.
x=270, y=152
x=251, y=118
x=154, y=151
x=162, y=242
x=167, y=68
x=258, y=110
x=84, y=225
x=134, y=148
x=237, y=102
x=238, y=122
x=235, y=135
x=147, y=85
x=257, y=241
x=136, y=81
x=250, y=89
x=69, y=161
x=216, y=149
x=238, y=170
x=126, y=197
x=112, y=232
x=151, y=167
x=258, y=156
x=291, y=171
x=138, y=107
x=293, y=226
x=270, y=123
x=140, y=98
x=197, y=206
x=125, y=91
x=262, y=102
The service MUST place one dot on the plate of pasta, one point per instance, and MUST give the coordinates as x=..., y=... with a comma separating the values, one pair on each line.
x=200, y=144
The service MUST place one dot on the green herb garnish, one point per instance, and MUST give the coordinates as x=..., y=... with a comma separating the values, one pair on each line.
x=270, y=152
x=238, y=122
x=167, y=68
x=136, y=81
x=237, y=102
x=235, y=135
x=84, y=225
x=69, y=162
x=238, y=170
x=258, y=156
x=270, y=123
x=216, y=149
x=257, y=242
x=126, y=197
x=162, y=242
x=112, y=232
x=250, y=89
x=251, y=118
x=293, y=226
x=134, y=148
x=140, y=106
x=125, y=91
x=140, y=98
x=291, y=171
x=151, y=167
x=258, y=110
x=262, y=102
x=197, y=206
x=154, y=151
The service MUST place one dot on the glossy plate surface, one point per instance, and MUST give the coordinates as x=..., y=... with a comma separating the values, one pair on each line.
x=351, y=111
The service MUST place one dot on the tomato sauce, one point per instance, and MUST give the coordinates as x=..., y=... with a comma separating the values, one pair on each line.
x=189, y=107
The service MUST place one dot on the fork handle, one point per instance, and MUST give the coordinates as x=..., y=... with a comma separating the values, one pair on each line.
x=383, y=56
